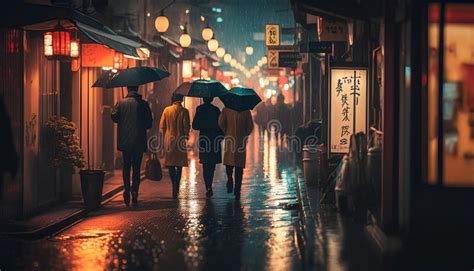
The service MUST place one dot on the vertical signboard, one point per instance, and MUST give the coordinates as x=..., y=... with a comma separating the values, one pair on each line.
x=272, y=59
x=347, y=106
x=272, y=35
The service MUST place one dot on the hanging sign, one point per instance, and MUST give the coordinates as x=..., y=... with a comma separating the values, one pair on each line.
x=272, y=35
x=288, y=59
x=272, y=58
x=347, y=106
x=320, y=47
x=332, y=30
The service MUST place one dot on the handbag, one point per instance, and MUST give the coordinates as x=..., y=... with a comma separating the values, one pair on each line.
x=153, y=168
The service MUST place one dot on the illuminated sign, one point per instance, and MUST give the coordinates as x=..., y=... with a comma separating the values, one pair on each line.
x=347, y=106
x=272, y=35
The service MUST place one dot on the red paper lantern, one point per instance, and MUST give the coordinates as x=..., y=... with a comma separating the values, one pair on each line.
x=57, y=44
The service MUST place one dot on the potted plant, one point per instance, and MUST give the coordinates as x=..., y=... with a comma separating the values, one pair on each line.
x=67, y=153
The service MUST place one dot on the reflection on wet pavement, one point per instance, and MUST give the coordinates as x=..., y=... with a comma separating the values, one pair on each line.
x=193, y=233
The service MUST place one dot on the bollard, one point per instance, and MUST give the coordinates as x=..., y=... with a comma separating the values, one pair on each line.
x=310, y=164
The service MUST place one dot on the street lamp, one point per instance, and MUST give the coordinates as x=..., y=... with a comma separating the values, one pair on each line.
x=220, y=52
x=227, y=58
x=185, y=38
x=213, y=44
x=162, y=23
x=249, y=50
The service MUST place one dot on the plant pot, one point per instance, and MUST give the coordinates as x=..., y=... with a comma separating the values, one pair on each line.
x=92, y=183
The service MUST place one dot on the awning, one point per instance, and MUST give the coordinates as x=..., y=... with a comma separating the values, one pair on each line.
x=42, y=17
x=116, y=42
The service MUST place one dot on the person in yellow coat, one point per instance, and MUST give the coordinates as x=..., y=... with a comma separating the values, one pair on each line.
x=175, y=125
x=236, y=126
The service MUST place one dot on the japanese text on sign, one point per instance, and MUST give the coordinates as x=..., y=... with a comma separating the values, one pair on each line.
x=348, y=106
x=272, y=59
x=272, y=35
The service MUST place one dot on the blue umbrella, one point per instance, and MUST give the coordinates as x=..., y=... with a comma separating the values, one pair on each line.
x=202, y=88
x=241, y=99
x=130, y=77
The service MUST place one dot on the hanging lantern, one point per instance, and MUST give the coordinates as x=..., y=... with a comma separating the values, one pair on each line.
x=207, y=33
x=57, y=44
x=185, y=38
x=227, y=58
x=233, y=62
x=162, y=23
x=249, y=50
x=220, y=52
x=264, y=59
x=212, y=44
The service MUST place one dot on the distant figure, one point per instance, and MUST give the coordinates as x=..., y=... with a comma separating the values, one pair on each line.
x=261, y=117
x=210, y=137
x=236, y=126
x=283, y=115
x=8, y=157
x=175, y=127
x=133, y=116
x=270, y=115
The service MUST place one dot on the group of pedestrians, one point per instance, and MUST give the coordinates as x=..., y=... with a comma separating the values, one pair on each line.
x=274, y=118
x=134, y=118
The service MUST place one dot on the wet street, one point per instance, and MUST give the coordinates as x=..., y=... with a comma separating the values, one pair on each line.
x=191, y=233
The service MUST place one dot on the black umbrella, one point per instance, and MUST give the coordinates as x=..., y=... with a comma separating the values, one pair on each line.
x=202, y=88
x=241, y=99
x=130, y=77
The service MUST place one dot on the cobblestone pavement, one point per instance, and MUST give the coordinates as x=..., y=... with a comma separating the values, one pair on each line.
x=192, y=233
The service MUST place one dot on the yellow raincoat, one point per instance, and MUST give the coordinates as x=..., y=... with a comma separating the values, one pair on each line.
x=236, y=126
x=175, y=125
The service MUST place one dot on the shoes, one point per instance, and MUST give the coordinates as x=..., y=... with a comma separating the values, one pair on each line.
x=237, y=196
x=209, y=193
x=126, y=198
x=230, y=186
x=134, y=198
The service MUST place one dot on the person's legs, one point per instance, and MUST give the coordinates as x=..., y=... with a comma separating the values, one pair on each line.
x=230, y=182
x=127, y=163
x=136, y=165
x=175, y=174
x=208, y=172
x=239, y=172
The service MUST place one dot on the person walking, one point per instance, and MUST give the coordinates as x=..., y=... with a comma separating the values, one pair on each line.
x=210, y=136
x=236, y=126
x=261, y=118
x=133, y=116
x=174, y=125
x=283, y=115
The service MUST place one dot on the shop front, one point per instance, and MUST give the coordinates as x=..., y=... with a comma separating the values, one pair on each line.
x=48, y=67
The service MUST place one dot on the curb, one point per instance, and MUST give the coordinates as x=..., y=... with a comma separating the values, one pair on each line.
x=307, y=226
x=67, y=221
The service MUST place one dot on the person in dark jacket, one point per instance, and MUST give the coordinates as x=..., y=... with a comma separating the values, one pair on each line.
x=134, y=118
x=210, y=136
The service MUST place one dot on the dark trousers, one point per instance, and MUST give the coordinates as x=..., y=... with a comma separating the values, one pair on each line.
x=239, y=172
x=131, y=160
x=175, y=174
x=208, y=172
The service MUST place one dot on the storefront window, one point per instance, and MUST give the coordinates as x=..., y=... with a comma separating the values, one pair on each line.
x=457, y=111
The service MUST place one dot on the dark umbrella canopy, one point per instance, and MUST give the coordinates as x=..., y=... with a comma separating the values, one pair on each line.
x=130, y=77
x=241, y=99
x=202, y=88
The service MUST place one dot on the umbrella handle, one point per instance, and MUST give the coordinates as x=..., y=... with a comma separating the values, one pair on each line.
x=122, y=93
